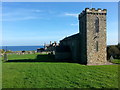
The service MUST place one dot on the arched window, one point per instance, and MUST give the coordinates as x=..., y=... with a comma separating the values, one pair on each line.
x=97, y=25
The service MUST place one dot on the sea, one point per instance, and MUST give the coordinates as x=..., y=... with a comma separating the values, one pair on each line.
x=21, y=48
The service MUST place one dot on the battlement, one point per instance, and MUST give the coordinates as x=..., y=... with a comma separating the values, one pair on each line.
x=93, y=11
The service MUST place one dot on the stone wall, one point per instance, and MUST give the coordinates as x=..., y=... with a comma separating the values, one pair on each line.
x=82, y=31
x=63, y=56
x=73, y=42
x=96, y=41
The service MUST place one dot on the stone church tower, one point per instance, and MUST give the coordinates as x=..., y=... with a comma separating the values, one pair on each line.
x=89, y=45
x=92, y=30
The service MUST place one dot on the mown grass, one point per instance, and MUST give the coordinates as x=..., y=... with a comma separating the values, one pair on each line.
x=58, y=75
x=23, y=56
x=116, y=61
x=31, y=58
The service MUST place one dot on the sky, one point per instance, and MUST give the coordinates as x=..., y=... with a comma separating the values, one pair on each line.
x=36, y=23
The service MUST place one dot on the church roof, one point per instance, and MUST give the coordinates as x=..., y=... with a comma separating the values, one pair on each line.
x=75, y=36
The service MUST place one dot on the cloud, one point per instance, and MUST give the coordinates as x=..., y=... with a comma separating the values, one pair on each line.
x=21, y=14
x=71, y=14
x=37, y=11
x=20, y=18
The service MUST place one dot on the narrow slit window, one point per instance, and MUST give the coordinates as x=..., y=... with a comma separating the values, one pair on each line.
x=97, y=25
x=97, y=46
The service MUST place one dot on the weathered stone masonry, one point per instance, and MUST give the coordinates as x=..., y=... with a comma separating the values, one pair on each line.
x=89, y=45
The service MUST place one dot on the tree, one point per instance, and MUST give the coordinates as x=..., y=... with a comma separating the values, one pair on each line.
x=114, y=51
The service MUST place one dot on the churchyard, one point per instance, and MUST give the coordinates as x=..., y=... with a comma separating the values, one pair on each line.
x=40, y=71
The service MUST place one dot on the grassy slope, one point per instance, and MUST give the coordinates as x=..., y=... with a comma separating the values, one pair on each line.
x=116, y=61
x=56, y=75
x=24, y=56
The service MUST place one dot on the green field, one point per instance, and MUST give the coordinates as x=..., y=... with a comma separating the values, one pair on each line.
x=56, y=74
x=116, y=61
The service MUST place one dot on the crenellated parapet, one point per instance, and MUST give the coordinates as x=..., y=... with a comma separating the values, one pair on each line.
x=93, y=11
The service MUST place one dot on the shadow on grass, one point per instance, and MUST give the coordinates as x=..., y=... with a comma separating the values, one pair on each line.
x=39, y=58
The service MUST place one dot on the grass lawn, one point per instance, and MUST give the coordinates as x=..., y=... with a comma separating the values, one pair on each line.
x=23, y=56
x=31, y=58
x=57, y=75
x=116, y=61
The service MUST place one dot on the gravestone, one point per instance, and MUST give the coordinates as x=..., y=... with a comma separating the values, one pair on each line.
x=5, y=57
x=111, y=58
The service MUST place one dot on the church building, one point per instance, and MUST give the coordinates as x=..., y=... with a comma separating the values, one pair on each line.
x=89, y=45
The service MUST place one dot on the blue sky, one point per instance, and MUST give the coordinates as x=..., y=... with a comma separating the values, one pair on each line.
x=36, y=23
